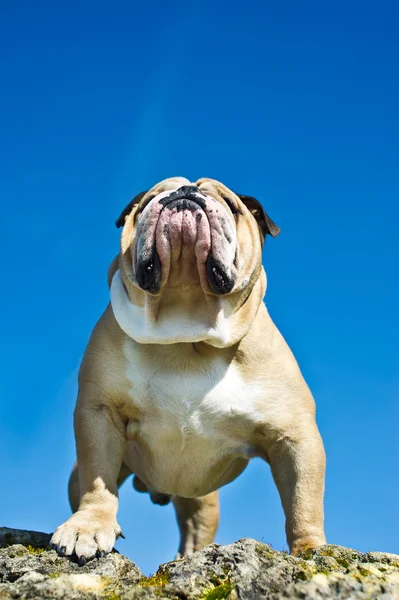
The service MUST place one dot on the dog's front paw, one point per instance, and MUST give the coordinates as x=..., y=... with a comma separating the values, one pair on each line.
x=88, y=533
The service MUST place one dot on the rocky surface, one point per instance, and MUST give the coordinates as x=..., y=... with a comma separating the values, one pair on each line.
x=246, y=570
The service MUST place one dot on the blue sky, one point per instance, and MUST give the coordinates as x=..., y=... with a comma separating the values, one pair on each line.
x=295, y=103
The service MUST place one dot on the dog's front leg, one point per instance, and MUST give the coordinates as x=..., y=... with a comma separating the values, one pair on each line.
x=298, y=467
x=100, y=444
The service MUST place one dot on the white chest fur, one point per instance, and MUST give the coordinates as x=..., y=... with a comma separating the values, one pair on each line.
x=194, y=413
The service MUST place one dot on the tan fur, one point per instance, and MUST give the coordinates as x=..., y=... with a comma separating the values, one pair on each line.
x=198, y=519
x=109, y=415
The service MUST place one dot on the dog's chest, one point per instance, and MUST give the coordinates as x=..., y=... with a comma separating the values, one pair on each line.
x=184, y=403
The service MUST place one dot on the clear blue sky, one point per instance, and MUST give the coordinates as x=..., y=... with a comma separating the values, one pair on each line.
x=295, y=103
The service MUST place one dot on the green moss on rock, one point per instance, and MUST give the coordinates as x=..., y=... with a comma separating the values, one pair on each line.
x=159, y=579
x=265, y=550
x=220, y=592
x=36, y=550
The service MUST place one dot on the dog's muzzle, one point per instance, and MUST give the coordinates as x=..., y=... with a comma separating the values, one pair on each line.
x=186, y=219
x=188, y=197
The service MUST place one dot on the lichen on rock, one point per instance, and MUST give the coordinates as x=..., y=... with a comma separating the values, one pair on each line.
x=245, y=570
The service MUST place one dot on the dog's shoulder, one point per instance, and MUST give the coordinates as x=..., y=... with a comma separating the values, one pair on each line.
x=103, y=361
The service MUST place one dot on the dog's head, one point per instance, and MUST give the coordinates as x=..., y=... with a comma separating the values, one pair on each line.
x=191, y=254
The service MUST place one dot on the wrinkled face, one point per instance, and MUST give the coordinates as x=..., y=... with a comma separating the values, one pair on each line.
x=189, y=235
x=186, y=232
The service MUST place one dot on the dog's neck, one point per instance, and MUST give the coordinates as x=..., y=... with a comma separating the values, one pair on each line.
x=175, y=324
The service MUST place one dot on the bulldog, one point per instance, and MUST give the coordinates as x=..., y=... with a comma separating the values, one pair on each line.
x=186, y=378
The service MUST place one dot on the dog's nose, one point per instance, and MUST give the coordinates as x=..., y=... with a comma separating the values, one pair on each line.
x=186, y=197
x=188, y=190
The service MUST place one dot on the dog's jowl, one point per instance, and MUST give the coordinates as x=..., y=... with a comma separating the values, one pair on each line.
x=186, y=377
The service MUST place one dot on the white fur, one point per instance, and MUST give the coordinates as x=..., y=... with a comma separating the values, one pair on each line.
x=187, y=417
x=171, y=327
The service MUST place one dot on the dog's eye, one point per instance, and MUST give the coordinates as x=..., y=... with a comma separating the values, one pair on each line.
x=231, y=205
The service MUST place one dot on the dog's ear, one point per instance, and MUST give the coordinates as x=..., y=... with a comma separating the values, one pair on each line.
x=266, y=225
x=126, y=211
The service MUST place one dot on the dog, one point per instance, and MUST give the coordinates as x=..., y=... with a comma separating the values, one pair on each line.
x=186, y=378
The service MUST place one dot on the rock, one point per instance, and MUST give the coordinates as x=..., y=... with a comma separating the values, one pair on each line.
x=21, y=536
x=245, y=570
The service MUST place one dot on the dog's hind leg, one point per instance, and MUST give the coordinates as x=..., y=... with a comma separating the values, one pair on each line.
x=73, y=485
x=198, y=520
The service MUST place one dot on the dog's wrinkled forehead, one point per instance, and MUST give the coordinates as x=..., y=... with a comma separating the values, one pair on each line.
x=183, y=188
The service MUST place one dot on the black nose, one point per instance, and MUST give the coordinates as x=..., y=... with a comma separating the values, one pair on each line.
x=187, y=197
x=187, y=190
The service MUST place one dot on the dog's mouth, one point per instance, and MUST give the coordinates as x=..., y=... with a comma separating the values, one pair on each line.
x=185, y=237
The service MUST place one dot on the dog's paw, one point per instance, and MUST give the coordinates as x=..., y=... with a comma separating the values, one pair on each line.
x=87, y=534
x=308, y=543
